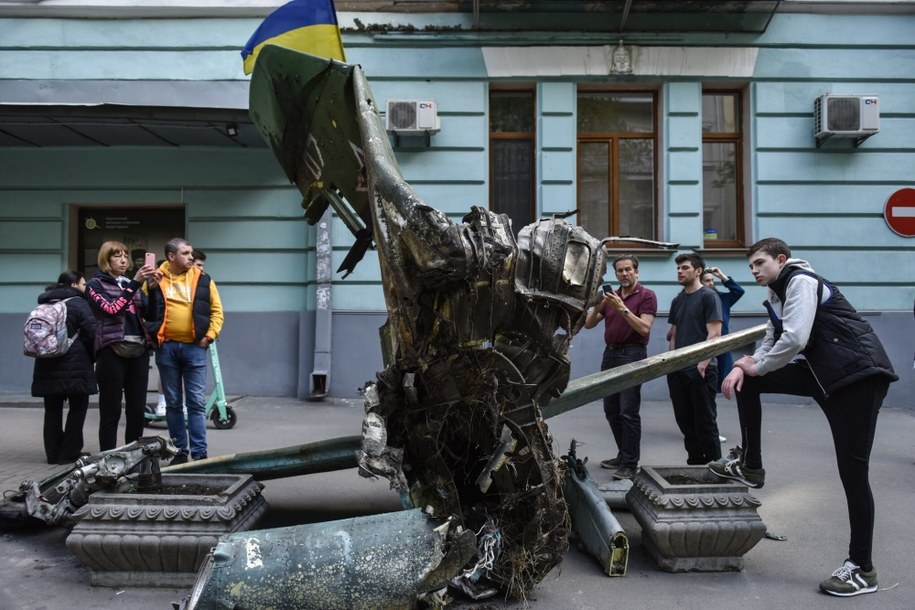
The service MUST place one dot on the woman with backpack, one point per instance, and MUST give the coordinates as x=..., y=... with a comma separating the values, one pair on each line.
x=121, y=343
x=69, y=377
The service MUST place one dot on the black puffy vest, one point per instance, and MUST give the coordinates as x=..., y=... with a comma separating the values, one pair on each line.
x=843, y=347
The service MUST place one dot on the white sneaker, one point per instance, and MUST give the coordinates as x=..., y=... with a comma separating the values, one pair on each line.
x=160, y=406
x=721, y=439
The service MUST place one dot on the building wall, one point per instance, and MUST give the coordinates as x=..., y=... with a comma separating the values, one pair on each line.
x=827, y=203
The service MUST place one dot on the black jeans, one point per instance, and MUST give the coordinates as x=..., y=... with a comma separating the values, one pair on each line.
x=116, y=377
x=852, y=415
x=693, y=400
x=64, y=443
x=622, y=409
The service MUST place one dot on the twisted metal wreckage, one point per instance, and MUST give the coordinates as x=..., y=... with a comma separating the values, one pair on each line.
x=475, y=348
x=478, y=329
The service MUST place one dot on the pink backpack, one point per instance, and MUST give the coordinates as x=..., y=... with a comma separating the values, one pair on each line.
x=45, y=332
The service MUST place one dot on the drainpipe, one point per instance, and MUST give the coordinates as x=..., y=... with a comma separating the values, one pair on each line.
x=320, y=376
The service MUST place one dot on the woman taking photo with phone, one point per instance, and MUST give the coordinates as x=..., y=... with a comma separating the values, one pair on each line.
x=121, y=342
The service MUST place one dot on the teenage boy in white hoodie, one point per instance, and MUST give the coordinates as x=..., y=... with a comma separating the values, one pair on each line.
x=844, y=368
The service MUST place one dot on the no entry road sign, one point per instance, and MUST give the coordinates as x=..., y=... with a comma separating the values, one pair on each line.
x=899, y=212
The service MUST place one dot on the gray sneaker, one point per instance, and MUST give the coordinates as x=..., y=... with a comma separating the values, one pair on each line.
x=733, y=469
x=611, y=464
x=850, y=580
x=625, y=472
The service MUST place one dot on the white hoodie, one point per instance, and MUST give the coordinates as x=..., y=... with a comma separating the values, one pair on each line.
x=796, y=313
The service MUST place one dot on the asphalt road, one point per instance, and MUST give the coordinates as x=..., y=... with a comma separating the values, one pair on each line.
x=802, y=500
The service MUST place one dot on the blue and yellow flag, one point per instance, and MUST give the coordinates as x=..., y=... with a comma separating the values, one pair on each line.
x=304, y=25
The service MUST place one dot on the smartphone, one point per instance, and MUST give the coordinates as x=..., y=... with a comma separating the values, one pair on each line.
x=150, y=260
x=607, y=288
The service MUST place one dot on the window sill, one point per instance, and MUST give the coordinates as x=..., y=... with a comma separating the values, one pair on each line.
x=723, y=251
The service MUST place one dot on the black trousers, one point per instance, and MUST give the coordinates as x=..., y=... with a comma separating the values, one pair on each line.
x=119, y=377
x=852, y=416
x=64, y=443
x=622, y=409
x=693, y=400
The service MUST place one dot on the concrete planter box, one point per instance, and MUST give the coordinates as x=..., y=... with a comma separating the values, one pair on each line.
x=160, y=539
x=692, y=521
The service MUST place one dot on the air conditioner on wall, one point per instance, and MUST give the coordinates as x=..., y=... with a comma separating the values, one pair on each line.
x=845, y=116
x=412, y=117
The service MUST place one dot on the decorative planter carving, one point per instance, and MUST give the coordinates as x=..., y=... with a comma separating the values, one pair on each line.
x=160, y=539
x=692, y=521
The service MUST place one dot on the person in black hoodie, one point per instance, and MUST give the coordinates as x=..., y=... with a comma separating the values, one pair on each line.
x=121, y=343
x=69, y=378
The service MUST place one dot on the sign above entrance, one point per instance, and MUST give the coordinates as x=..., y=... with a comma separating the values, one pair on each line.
x=899, y=212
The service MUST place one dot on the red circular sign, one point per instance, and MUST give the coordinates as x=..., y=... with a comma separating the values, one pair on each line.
x=899, y=212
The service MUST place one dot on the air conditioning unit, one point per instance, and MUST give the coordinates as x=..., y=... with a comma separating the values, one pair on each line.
x=412, y=117
x=845, y=116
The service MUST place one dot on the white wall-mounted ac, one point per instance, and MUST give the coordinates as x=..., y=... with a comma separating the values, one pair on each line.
x=412, y=117
x=845, y=116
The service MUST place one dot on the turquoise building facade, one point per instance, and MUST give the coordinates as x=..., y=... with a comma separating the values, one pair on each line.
x=84, y=68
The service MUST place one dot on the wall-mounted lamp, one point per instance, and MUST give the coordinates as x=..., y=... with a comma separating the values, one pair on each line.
x=621, y=60
x=231, y=130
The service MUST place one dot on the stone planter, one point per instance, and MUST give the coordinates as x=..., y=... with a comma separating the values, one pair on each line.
x=692, y=521
x=160, y=539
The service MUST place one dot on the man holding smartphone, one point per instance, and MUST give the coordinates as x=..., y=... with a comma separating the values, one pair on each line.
x=628, y=315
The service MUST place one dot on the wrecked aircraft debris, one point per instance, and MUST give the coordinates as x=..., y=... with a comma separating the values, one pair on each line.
x=479, y=324
x=364, y=563
x=55, y=499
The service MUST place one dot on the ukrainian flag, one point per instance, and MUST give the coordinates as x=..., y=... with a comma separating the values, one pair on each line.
x=304, y=25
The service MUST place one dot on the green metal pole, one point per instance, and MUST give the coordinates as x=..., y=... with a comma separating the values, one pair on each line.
x=589, y=388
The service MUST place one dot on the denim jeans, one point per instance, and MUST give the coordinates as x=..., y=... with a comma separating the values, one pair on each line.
x=622, y=409
x=187, y=363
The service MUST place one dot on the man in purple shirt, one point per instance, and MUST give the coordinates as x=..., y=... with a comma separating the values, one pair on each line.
x=627, y=314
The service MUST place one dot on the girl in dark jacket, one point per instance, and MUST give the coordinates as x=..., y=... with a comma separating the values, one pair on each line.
x=121, y=343
x=70, y=377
